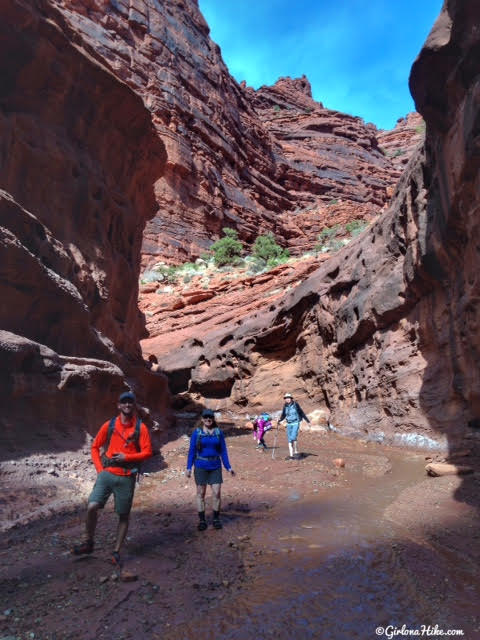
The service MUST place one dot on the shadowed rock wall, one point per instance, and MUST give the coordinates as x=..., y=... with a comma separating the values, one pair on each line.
x=78, y=160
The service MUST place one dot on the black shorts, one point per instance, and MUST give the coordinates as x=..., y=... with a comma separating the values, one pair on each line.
x=205, y=476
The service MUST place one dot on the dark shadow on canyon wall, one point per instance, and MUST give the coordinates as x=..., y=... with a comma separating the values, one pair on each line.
x=78, y=161
x=445, y=84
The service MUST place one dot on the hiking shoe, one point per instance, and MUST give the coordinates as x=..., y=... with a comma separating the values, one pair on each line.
x=83, y=548
x=202, y=525
x=217, y=524
x=115, y=557
x=289, y=458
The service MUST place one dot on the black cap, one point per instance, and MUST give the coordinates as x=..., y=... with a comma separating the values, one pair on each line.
x=208, y=413
x=126, y=395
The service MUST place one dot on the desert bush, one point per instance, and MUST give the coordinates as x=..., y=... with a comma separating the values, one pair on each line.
x=165, y=273
x=265, y=248
x=421, y=128
x=227, y=250
x=355, y=227
x=327, y=240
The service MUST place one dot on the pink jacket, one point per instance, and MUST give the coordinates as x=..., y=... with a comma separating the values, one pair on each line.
x=260, y=426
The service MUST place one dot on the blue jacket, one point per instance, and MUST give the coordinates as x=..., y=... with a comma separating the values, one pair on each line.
x=293, y=408
x=212, y=447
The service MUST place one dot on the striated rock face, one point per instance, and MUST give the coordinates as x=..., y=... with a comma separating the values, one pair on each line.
x=399, y=143
x=385, y=335
x=271, y=160
x=330, y=162
x=178, y=318
x=78, y=161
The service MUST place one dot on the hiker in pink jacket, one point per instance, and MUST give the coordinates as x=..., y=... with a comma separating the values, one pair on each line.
x=261, y=425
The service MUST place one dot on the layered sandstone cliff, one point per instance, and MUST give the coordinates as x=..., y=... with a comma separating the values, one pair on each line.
x=272, y=160
x=383, y=336
x=78, y=160
x=114, y=111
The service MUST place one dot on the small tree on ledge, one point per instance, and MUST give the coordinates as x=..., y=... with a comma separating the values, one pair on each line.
x=228, y=249
x=265, y=248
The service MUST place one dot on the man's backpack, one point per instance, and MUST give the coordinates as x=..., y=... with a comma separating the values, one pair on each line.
x=135, y=438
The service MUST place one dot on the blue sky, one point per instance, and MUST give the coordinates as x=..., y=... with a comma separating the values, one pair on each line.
x=357, y=55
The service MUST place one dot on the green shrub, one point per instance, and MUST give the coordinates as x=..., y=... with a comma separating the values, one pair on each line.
x=355, y=227
x=276, y=107
x=328, y=232
x=190, y=265
x=265, y=248
x=333, y=201
x=228, y=249
x=168, y=274
x=150, y=276
x=274, y=262
x=335, y=245
x=326, y=239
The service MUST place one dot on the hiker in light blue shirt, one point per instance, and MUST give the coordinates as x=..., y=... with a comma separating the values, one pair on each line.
x=293, y=413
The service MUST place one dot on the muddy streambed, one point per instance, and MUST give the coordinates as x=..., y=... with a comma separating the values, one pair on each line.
x=308, y=550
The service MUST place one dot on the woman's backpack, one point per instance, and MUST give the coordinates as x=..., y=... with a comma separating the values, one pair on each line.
x=201, y=434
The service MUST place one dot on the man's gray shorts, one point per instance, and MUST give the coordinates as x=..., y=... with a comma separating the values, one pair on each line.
x=122, y=487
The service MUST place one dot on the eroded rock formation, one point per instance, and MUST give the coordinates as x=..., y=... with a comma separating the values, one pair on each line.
x=385, y=334
x=112, y=111
x=272, y=160
x=78, y=160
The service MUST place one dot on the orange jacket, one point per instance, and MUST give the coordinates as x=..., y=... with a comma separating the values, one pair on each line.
x=119, y=444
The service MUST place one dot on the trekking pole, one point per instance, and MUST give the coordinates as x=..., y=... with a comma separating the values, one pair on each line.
x=275, y=442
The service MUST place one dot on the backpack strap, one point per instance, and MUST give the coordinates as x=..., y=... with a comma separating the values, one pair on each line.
x=134, y=438
x=111, y=429
x=136, y=435
x=201, y=434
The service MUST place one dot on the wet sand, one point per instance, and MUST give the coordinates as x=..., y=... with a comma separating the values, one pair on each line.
x=308, y=550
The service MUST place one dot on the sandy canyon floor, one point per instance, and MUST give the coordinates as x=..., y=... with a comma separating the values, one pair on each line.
x=308, y=550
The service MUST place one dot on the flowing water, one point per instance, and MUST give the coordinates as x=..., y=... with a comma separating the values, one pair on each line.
x=333, y=567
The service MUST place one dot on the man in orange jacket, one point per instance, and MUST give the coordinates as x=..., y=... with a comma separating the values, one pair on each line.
x=126, y=443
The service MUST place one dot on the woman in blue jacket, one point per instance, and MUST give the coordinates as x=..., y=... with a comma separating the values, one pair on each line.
x=207, y=451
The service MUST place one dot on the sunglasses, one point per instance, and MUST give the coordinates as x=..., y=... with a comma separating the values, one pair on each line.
x=206, y=418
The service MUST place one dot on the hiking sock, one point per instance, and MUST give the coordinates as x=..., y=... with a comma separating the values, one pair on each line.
x=290, y=449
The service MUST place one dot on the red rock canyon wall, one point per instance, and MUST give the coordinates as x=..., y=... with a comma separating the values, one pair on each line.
x=272, y=160
x=383, y=337
x=78, y=161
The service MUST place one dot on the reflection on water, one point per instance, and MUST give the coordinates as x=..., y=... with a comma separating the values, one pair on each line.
x=335, y=568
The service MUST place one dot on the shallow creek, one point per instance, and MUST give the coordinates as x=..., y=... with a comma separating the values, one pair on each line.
x=330, y=565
